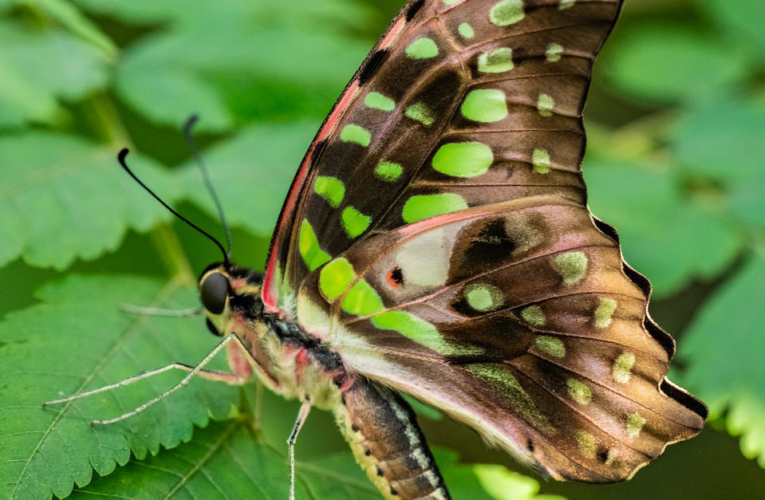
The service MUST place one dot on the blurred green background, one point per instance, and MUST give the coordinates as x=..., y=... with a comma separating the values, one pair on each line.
x=676, y=123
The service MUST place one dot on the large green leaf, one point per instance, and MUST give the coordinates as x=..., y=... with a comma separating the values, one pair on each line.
x=41, y=67
x=253, y=42
x=78, y=339
x=723, y=348
x=669, y=62
x=62, y=197
x=666, y=235
x=252, y=173
x=742, y=19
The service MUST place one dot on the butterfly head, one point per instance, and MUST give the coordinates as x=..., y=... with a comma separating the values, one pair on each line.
x=229, y=293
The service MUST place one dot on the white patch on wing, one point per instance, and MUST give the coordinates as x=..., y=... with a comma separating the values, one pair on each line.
x=424, y=260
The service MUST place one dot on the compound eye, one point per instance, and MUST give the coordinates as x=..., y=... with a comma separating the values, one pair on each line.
x=214, y=292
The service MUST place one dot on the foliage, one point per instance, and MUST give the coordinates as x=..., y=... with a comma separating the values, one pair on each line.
x=676, y=121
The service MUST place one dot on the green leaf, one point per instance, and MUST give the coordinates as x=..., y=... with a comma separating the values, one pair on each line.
x=252, y=173
x=723, y=348
x=723, y=140
x=747, y=200
x=71, y=18
x=742, y=20
x=225, y=461
x=669, y=62
x=668, y=237
x=78, y=339
x=40, y=68
x=490, y=482
x=62, y=198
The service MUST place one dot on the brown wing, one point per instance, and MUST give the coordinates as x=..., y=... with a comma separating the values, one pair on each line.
x=462, y=103
x=520, y=319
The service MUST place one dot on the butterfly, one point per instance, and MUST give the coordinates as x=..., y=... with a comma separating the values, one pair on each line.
x=436, y=242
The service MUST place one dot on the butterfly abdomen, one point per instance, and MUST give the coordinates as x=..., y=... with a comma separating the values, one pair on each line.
x=388, y=443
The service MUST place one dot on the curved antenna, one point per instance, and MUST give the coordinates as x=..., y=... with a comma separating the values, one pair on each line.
x=121, y=157
x=188, y=133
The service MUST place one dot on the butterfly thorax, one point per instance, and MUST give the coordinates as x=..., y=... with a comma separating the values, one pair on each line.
x=289, y=361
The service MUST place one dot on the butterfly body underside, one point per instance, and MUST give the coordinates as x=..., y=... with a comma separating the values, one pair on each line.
x=436, y=242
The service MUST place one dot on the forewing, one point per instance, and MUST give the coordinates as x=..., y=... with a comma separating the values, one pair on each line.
x=519, y=318
x=462, y=103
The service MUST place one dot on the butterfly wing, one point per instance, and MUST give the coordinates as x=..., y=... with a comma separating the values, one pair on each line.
x=461, y=103
x=437, y=237
x=520, y=319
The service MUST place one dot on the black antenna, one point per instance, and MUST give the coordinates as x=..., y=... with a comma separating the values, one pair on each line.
x=121, y=157
x=188, y=133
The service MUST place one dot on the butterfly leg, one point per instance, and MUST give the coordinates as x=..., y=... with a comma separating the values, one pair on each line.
x=168, y=313
x=302, y=415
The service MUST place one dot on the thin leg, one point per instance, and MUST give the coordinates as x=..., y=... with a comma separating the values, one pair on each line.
x=302, y=415
x=170, y=313
x=217, y=376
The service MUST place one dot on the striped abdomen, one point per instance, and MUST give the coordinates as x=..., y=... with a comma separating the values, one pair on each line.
x=387, y=442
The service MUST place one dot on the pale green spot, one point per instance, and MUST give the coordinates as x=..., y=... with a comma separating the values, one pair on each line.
x=554, y=52
x=485, y=106
x=565, y=4
x=545, y=105
x=534, y=315
x=572, y=266
x=579, y=392
x=362, y=300
x=502, y=380
x=612, y=459
x=463, y=159
x=540, y=159
x=356, y=134
x=354, y=222
x=423, y=207
x=507, y=12
x=422, y=48
x=313, y=256
x=484, y=297
x=331, y=189
x=388, y=171
x=551, y=346
x=466, y=31
x=413, y=328
x=450, y=2
x=622, y=370
x=335, y=277
x=604, y=313
x=635, y=423
x=586, y=444
x=376, y=100
x=496, y=61
x=421, y=113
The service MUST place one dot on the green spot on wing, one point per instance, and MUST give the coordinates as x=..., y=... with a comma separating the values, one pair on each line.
x=388, y=171
x=572, y=266
x=463, y=159
x=604, y=313
x=313, y=256
x=579, y=392
x=540, y=159
x=483, y=297
x=551, y=346
x=635, y=423
x=422, y=48
x=622, y=370
x=503, y=381
x=507, y=12
x=466, y=31
x=423, y=207
x=554, y=52
x=331, y=189
x=362, y=300
x=412, y=328
x=421, y=113
x=356, y=134
x=496, y=61
x=354, y=222
x=545, y=105
x=485, y=106
x=335, y=277
x=378, y=101
x=534, y=315
x=566, y=4
x=586, y=444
